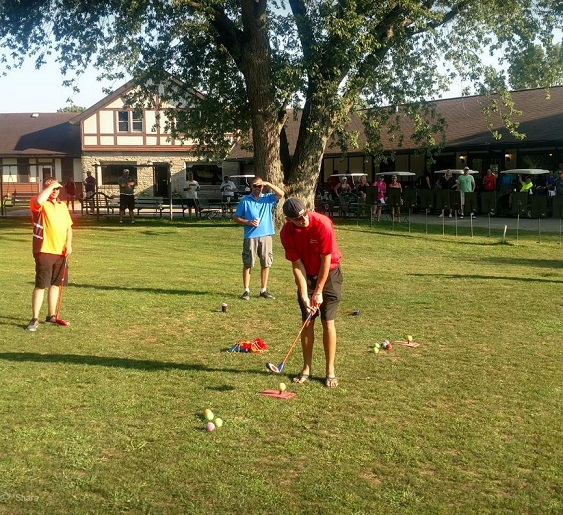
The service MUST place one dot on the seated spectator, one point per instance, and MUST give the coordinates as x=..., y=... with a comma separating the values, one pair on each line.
x=526, y=186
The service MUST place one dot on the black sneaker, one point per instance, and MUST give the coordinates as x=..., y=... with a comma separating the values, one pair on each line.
x=245, y=295
x=266, y=295
x=33, y=325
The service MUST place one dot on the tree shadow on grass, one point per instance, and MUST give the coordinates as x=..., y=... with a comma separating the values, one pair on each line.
x=495, y=277
x=112, y=362
x=158, y=291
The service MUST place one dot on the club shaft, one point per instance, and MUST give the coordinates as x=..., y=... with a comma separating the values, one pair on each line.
x=291, y=347
x=61, y=287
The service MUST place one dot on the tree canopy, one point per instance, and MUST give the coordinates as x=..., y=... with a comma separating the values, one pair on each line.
x=259, y=61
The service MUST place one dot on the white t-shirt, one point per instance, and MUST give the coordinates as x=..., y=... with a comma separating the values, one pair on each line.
x=192, y=187
x=228, y=189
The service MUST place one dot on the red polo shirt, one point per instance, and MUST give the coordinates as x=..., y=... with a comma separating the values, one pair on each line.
x=310, y=243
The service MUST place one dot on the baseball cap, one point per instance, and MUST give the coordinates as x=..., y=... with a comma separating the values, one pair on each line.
x=293, y=207
x=466, y=168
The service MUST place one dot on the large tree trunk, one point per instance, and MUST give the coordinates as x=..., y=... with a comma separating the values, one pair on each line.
x=257, y=71
x=309, y=150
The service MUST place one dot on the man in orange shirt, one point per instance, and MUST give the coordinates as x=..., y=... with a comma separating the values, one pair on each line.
x=52, y=241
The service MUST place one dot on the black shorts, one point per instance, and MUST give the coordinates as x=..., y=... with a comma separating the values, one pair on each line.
x=192, y=202
x=48, y=270
x=126, y=202
x=332, y=292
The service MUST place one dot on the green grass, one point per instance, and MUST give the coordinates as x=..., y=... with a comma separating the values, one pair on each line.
x=105, y=416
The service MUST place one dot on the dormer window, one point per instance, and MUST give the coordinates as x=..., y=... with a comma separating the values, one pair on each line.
x=130, y=121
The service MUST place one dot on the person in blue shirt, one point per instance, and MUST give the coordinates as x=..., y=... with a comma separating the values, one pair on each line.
x=254, y=212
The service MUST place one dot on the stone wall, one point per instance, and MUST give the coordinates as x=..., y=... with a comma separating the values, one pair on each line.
x=144, y=164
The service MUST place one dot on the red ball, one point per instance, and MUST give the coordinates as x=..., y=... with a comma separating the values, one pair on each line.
x=388, y=346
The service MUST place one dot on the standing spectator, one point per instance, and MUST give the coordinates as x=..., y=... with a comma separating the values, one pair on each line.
x=362, y=187
x=90, y=190
x=334, y=184
x=316, y=269
x=70, y=190
x=489, y=181
x=191, y=189
x=342, y=187
x=126, y=196
x=559, y=183
x=465, y=184
x=52, y=241
x=227, y=189
x=381, y=190
x=255, y=213
x=423, y=182
x=396, y=184
x=448, y=183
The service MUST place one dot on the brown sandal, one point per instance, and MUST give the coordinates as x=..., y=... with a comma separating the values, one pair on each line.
x=331, y=382
x=301, y=378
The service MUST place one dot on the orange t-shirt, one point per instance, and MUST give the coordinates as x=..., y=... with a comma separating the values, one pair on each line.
x=51, y=223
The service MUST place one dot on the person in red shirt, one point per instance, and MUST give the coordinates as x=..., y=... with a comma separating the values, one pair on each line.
x=310, y=244
x=489, y=181
x=52, y=241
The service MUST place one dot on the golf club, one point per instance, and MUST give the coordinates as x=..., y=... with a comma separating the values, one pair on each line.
x=58, y=320
x=278, y=369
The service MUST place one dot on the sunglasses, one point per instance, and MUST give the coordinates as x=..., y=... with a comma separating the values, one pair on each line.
x=257, y=185
x=56, y=189
x=299, y=218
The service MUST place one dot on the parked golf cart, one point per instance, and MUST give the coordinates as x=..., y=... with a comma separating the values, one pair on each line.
x=534, y=202
x=242, y=182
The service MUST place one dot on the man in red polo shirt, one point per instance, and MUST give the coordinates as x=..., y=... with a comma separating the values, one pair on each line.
x=310, y=244
x=52, y=241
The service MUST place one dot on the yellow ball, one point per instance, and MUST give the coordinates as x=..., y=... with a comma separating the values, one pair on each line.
x=281, y=387
x=218, y=422
x=409, y=338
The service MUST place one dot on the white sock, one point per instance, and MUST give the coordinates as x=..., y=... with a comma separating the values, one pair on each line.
x=262, y=290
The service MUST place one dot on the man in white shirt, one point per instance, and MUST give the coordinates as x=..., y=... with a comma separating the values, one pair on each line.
x=191, y=189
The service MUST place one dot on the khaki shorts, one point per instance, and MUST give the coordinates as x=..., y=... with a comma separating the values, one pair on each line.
x=257, y=247
x=332, y=293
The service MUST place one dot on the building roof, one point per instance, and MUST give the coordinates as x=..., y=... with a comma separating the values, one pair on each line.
x=541, y=121
x=29, y=134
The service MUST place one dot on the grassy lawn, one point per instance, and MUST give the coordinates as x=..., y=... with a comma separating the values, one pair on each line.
x=105, y=416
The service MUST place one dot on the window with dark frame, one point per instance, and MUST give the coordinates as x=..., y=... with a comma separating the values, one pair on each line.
x=137, y=120
x=123, y=121
x=112, y=172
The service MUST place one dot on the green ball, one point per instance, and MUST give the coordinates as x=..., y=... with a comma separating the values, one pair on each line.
x=376, y=348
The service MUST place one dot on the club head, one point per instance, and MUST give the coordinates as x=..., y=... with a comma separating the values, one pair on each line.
x=272, y=368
